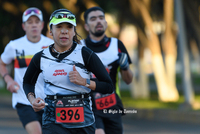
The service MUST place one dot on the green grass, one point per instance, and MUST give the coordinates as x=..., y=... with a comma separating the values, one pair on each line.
x=4, y=91
x=152, y=102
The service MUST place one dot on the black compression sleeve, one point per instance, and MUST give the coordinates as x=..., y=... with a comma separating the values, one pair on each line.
x=31, y=74
x=93, y=63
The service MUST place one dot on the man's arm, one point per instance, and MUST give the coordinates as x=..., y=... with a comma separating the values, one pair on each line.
x=124, y=62
x=12, y=85
x=103, y=84
x=127, y=75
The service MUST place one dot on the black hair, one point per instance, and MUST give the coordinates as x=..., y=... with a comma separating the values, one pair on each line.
x=90, y=10
x=77, y=37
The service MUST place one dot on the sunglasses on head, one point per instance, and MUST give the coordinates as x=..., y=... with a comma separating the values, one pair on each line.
x=37, y=11
x=63, y=15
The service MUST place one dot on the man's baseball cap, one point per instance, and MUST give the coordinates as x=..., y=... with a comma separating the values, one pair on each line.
x=30, y=12
x=62, y=15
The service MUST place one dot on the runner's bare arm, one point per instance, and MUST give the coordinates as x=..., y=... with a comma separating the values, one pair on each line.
x=12, y=85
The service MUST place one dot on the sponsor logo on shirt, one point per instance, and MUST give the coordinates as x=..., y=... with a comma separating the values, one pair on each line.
x=97, y=95
x=59, y=72
x=59, y=103
x=21, y=59
x=73, y=101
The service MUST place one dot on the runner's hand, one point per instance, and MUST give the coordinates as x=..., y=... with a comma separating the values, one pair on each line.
x=123, y=61
x=12, y=86
x=75, y=77
x=38, y=104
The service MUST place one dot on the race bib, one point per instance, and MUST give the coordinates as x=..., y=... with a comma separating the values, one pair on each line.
x=69, y=111
x=104, y=101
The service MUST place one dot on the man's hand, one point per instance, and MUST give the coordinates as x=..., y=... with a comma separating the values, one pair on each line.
x=12, y=86
x=123, y=61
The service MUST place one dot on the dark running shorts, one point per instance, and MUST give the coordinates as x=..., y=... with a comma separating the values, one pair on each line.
x=27, y=114
x=52, y=128
x=111, y=125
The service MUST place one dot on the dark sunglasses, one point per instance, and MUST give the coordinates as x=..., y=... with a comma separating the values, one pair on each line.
x=27, y=12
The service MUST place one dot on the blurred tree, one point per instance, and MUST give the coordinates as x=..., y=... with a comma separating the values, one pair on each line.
x=167, y=92
x=169, y=47
x=11, y=17
x=168, y=42
x=141, y=13
x=140, y=85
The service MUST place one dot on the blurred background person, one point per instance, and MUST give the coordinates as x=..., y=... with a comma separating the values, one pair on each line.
x=21, y=51
x=115, y=58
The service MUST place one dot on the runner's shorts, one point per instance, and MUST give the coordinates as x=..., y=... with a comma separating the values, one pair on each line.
x=27, y=114
x=52, y=128
x=111, y=125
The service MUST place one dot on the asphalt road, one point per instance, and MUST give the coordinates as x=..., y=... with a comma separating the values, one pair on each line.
x=143, y=126
x=10, y=124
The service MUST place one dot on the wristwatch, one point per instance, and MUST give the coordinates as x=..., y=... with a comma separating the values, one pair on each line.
x=87, y=83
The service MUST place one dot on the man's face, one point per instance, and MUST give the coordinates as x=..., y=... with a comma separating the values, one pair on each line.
x=33, y=27
x=96, y=23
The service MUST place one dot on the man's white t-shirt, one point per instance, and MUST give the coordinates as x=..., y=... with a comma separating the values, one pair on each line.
x=21, y=52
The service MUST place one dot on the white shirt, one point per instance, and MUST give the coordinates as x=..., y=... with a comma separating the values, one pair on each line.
x=21, y=52
x=56, y=73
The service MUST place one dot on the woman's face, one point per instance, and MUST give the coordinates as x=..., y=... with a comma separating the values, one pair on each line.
x=63, y=34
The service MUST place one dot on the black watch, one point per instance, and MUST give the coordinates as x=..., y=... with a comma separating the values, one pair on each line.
x=87, y=83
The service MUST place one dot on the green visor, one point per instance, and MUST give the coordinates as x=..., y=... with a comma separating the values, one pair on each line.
x=63, y=17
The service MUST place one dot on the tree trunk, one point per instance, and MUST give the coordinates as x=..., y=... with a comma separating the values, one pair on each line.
x=140, y=87
x=157, y=62
x=170, y=48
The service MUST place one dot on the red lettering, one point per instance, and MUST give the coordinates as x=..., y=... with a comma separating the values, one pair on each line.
x=59, y=72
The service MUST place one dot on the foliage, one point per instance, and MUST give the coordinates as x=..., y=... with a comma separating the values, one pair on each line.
x=4, y=91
